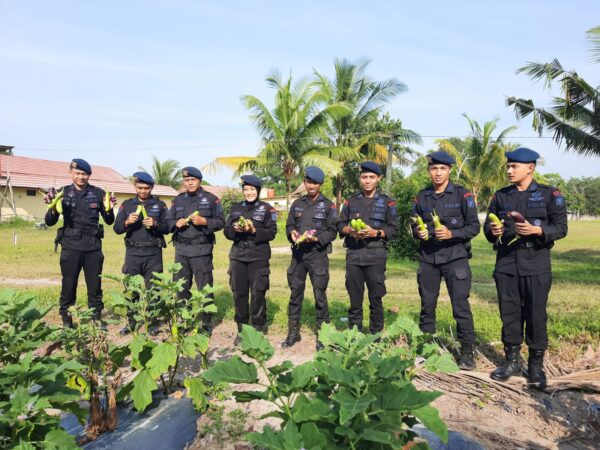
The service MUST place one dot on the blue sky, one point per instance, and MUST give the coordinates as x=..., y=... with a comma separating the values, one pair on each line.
x=115, y=82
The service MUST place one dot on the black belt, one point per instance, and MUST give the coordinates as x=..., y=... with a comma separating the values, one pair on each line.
x=80, y=232
x=199, y=240
x=528, y=244
x=244, y=244
x=352, y=243
x=139, y=244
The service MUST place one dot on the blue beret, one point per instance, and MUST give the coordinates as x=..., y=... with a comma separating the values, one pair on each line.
x=315, y=174
x=143, y=177
x=440, y=158
x=191, y=172
x=251, y=180
x=82, y=165
x=522, y=155
x=370, y=166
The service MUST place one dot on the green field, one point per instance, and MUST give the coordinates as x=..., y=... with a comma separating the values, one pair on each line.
x=574, y=305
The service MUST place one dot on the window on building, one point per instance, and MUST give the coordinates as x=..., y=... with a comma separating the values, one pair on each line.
x=31, y=192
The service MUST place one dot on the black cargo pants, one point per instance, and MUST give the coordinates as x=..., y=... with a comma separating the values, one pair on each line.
x=317, y=267
x=356, y=278
x=249, y=279
x=71, y=263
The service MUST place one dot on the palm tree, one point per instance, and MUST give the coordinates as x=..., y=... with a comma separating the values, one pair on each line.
x=480, y=158
x=350, y=139
x=292, y=132
x=574, y=117
x=166, y=173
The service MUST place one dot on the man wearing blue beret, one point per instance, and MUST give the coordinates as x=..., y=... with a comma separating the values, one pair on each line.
x=80, y=237
x=366, y=246
x=143, y=220
x=310, y=228
x=444, y=251
x=533, y=216
x=194, y=217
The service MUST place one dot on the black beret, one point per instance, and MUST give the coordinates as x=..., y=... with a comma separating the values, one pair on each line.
x=82, y=165
x=191, y=172
x=143, y=177
x=440, y=158
x=370, y=166
x=315, y=174
x=522, y=155
x=251, y=180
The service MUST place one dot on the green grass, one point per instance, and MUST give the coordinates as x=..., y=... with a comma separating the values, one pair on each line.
x=573, y=305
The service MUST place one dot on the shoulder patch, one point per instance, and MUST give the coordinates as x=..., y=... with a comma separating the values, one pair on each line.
x=273, y=214
x=217, y=201
x=392, y=203
x=346, y=202
x=559, y=199
x=468, y=194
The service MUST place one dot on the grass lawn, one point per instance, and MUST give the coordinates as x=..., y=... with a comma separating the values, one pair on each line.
x=574, y=304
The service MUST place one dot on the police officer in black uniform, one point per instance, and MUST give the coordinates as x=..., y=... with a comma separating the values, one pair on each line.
x=194, y=217
x=144, y=234
x=80, y=237
x=366, y=254
x=523, y=274
x=317, y=213
x=250, y=253
x=444, y=252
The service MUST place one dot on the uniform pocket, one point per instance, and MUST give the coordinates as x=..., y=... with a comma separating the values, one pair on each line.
x=263, y=279
x=454, y=222
x=461, y=273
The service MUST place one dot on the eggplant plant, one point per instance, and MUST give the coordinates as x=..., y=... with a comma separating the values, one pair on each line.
x=157, y=361
x=357, y=393
x=33, y=385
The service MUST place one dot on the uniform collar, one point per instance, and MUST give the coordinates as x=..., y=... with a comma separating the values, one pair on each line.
x=449, y=188
x=377, y=194
x=533, y=186
x=319, y=198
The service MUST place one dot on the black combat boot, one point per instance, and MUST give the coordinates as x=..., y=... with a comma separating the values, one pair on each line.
x=129, y=328
x=207, y=323
x=535, y=369
x=293, y=335
x=238, y=337
x=101, y=324
x=466, y=360
x=67, y=321
x=263, y=328
x=512, y=365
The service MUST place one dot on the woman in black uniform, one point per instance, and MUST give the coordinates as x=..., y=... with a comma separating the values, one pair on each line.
x=250, y=253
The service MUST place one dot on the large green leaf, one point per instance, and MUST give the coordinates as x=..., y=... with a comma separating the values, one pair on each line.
x=350, y=406
x=255, y=344
x=232, y=371
x=287, y=439
x=192, y=345
x=313, y=438
x=196, y=390
x=380, y=437
x=305, y=410
x=141, y=351
x=164, y=355
x=403, y=326
x=302, y=375
x=441, y=363
x=430, y=417
x=405, y=398
x=141, y=394
x=281, y=368
x=59, y=439
x=393, y=367
x=248, y=396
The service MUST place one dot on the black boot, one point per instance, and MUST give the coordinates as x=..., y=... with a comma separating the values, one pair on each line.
x=129, y=328
x=238, y=337
x=512, y=365
x=263, y=328
x=535, y=369
x=466, y=360
x=207, y=323
x=67, y=321
x=293, y=335
x=101, y=324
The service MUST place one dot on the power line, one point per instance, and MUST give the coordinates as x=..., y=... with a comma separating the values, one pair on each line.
x=241, y=144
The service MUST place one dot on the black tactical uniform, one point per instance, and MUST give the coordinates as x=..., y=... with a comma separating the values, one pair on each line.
x=366, y=258
x=143, y=246
x=310, y=257
x=194, y=244
x=447, y=258
x=249, y=260
x=80, y=239
x=523, y=274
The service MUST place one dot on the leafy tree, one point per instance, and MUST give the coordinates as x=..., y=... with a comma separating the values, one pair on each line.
x=574, y=116
x=166, y=173
x=480, y=158
x=352, y=137
x=291, y=132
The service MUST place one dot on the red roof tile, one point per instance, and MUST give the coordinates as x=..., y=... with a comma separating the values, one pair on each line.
x=42, y=173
